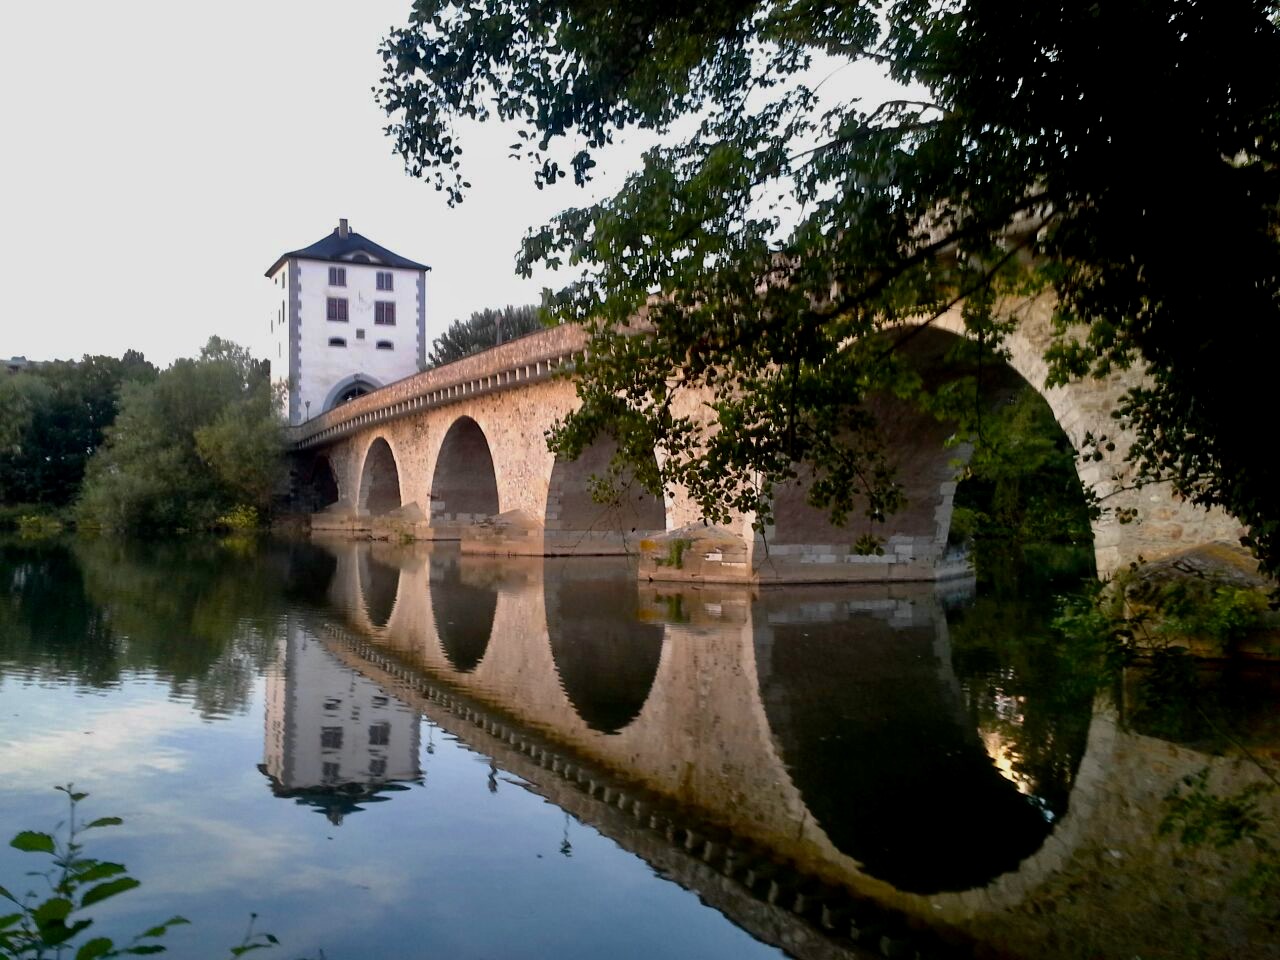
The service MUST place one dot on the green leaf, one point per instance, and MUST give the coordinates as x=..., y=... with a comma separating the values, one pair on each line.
x=100, y=870
x=9, y=920
x=92, y=949
x=53, y=910
x=7, y=895
x=29, y=841
x=144, y=950
x=109, y=889
x=247, y=948
x=103, y=822
x=163, y=928
x=60, y=933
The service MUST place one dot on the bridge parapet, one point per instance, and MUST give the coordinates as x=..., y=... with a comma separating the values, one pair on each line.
x=533, y=357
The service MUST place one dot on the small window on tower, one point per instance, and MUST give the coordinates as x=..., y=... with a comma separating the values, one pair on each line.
x=336, y=309
x=385, y=280
x=337, y=342
x=386, y=345
x=337, y=276
x=384, y=312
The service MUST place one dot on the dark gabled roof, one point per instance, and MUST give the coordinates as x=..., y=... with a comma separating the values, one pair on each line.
x=340, y=249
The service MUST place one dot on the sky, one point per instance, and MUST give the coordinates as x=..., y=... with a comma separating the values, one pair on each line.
x=157, y=157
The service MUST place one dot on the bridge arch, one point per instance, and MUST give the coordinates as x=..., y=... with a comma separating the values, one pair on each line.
x=317, y=483
x=949, y=821
x=379, y=589
x=571, y=506
x=606, y=657
x=464, y=484
x=1163, y=522
x=379, y=479
x=463, y=612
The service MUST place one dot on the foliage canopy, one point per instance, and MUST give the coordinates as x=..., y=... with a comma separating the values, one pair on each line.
x=482, y=330
x=1125, y=155
x=200, y=439
x=52, y=417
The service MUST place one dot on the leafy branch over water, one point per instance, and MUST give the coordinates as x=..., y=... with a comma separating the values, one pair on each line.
x=44, y=925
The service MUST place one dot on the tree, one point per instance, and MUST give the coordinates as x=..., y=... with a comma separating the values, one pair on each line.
x=1019, y=502
x=52, y=418
x=482, y=330
x=1124, y=155
x=203, y=437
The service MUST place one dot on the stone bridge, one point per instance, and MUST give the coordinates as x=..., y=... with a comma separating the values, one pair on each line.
x=459, y=452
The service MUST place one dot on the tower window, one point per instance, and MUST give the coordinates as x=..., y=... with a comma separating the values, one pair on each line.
x=337, y=342
x=385, y=280
x=384, y=312
x=386, y=345
x=337, y=276
x=336, y=309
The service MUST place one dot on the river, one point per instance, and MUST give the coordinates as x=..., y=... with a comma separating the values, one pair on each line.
x=386, y=751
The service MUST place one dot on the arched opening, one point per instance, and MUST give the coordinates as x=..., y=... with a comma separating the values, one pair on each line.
x=571, y=505
x=379, y=586
x=463, y=612
x=464, y=486
x=379, y=480
x=605, y=656
x=317, y=486
x=348, y=388
x=875, y=732
x=1021, y=511
x=915, y=444
x=1030, y=468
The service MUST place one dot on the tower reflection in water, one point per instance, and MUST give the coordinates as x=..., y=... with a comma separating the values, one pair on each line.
x=334, y=739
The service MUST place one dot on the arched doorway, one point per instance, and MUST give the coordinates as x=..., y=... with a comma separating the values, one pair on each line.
x=348, y=388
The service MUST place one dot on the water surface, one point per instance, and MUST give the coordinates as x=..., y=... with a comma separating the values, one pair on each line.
x=390, y=751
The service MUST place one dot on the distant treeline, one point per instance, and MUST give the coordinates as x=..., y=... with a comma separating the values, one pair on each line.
x=119, y=444
x=482, y=330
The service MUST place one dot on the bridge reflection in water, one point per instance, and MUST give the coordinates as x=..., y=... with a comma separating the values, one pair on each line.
x=806, y=759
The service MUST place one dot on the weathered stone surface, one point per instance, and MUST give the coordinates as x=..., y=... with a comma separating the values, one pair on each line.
x=508, y=397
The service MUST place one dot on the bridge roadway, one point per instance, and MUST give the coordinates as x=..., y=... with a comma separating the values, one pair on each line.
x=459, y=452
x=704, y=742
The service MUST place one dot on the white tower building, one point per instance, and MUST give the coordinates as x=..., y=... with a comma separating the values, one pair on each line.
x=349, y=316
